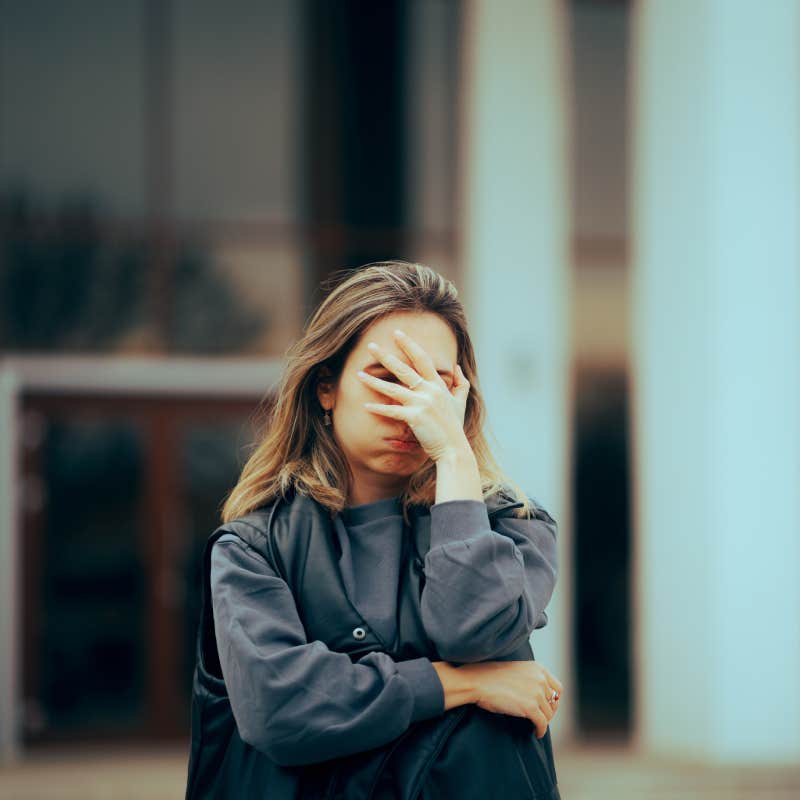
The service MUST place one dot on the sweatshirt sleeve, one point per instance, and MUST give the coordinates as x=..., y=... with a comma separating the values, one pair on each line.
x=298, y=701
x=487, y=581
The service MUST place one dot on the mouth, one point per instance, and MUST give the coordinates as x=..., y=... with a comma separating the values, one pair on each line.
x=403, y=444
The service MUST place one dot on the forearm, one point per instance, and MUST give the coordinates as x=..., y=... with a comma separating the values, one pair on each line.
x=487, y=580
x=298, y=701
x=316, y=706
x=457, y=475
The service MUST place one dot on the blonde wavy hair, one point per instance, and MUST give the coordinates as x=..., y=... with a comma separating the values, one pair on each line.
x=297, y=452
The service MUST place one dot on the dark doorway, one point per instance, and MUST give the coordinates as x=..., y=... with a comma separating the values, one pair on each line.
x=602, y=554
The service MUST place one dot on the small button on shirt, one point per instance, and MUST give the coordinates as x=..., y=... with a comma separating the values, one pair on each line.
x=371, y=540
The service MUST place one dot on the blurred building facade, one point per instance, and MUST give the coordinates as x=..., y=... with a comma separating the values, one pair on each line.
x=177, y=178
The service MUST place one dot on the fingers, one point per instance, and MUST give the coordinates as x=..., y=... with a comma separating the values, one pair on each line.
x=554, y=682
x=422, y=362
x=385, y=387
x=548, y=710
x=395, y=412
x=551, y=678
x=461, y=381
x=540, y=720
x=553, y=693
x=552, y=686
x=547, y=707
x=408, y=374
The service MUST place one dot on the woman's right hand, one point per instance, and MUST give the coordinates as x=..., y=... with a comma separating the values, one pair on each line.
x=517, y=688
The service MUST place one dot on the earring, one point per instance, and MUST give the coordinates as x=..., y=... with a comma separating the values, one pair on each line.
x=327, y=418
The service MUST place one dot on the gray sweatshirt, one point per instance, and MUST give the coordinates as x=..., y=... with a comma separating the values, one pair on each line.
x=262, y=643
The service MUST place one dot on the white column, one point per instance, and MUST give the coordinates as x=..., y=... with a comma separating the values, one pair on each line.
x=716, y=342
x=514, y=228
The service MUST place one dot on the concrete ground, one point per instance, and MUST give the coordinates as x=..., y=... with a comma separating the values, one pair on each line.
x=603, y=773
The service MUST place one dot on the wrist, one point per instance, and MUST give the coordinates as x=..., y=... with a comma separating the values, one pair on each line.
x=458, y=452
x=470, y=674
x=458, y=683
x=457, y=475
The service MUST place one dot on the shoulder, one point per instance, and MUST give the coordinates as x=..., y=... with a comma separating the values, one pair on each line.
x=230, y=548
x=505, y=502
x=244, y=537
x=254, y=522
x=251, y=528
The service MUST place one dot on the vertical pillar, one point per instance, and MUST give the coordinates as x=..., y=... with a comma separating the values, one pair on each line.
x=9, y=566
x=514, y=231
x=716, y=344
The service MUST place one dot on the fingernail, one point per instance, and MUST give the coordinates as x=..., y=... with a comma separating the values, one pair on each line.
x=399, y=332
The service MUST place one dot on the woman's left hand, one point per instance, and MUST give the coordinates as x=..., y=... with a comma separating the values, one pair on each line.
x=433, y=414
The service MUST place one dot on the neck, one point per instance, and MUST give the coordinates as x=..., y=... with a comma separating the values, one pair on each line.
x=360, y=495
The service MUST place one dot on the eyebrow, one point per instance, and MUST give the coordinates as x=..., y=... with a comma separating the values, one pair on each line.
x=446, y=372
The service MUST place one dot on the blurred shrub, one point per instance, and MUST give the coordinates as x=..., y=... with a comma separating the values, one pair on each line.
x=71, y=282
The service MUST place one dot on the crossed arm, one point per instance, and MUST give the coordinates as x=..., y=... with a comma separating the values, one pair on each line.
x=296, y=700
x=488, y=581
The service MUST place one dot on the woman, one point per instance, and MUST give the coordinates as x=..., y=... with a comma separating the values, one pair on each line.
x=369, y=598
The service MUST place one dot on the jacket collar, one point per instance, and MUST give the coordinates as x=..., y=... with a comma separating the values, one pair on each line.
x=495, y=503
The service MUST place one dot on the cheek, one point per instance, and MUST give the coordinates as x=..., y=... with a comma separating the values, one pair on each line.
x=359, y=392
x=353, y=395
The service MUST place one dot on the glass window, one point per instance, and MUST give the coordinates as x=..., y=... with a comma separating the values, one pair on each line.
x=85, y=590
x=72, y=103
x=237, y=96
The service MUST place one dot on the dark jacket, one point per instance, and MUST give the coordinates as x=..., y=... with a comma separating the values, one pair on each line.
x=465, y=752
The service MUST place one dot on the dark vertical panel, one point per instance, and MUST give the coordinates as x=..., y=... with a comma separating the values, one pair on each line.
x=602, y=553
x=356, y=141
x=602, y=558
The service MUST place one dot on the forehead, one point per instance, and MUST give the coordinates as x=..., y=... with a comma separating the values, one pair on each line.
x=427, y=329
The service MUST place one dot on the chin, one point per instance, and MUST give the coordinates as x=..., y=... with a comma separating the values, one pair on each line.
x=400, y=463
